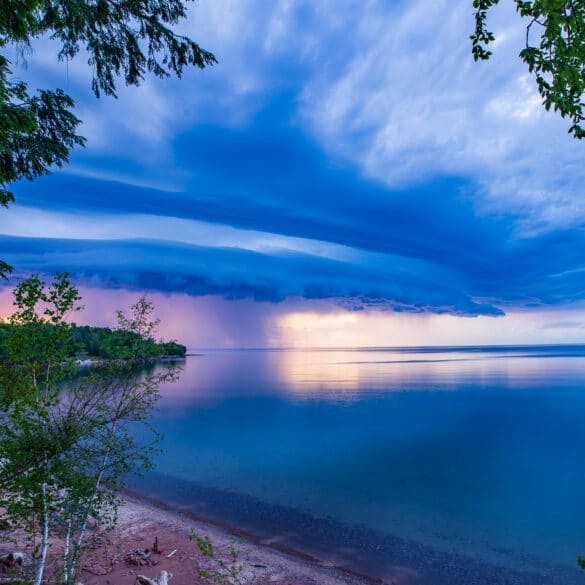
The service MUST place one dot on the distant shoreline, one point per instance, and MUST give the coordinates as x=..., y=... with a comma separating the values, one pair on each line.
x=95, y=361
x=401, y=348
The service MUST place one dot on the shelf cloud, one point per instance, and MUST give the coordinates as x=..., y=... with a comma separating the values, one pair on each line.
x=381, y=170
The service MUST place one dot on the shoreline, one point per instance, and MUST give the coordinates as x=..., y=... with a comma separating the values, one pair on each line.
x=248, y=536
x=143, y=521
x=152, y=536
x=92, y=361
x=357, y=555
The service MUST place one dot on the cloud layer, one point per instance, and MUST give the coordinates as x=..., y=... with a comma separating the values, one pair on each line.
x=356, y=154
x=237, y=274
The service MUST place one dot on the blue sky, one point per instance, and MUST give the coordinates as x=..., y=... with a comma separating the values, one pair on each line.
x=343, y=160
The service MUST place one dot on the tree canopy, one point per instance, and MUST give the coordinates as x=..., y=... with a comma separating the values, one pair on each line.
x=122, y=39
x=69, y=440
x=554, y=52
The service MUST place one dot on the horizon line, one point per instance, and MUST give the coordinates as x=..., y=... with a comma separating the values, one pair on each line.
x=391, y=347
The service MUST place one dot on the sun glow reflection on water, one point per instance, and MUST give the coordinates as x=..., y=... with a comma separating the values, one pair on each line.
x=467, y=449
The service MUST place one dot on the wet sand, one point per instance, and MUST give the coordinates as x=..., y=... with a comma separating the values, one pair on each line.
x=141, y=522
x=273, y=561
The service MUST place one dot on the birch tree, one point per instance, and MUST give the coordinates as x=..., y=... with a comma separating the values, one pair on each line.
x=68, y=440
x=31, y=440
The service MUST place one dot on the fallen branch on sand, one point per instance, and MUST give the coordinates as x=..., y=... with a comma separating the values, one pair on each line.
x=12, y=559
x=162, y=579
x=140, y=558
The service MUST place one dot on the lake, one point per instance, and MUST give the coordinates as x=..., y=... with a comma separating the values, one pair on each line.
x=419, y=462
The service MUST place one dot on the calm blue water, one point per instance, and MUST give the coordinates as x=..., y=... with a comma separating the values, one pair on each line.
x=470, y=452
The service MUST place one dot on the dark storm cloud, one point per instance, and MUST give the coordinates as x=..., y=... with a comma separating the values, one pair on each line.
x=236, y=274
x=269, y=178
x=273, y=181
x=435, y=249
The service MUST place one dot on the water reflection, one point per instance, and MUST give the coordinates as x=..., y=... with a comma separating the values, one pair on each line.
x=311, y=372
x=474, y=451
x=347, y=374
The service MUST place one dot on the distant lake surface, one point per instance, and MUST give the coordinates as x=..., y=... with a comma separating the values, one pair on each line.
x=381, y=458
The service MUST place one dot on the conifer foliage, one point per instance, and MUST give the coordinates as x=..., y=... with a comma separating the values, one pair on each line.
x=121, y=39
x=554, y=52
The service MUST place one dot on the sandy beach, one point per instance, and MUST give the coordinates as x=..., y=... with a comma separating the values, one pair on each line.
x=141, y=522
x=268, y=561
x=151, y=537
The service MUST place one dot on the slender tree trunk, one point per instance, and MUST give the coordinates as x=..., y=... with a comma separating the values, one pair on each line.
x=66, y=568
x=45, y=504
x=45, y=510
x=45, y=537
x=83, y=528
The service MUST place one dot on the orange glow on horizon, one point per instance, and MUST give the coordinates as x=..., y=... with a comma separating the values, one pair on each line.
x=214, y=322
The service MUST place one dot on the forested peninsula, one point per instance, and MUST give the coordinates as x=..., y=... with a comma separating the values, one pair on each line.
x=103, y=343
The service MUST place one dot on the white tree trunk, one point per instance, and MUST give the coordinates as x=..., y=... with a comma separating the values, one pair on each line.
x=66, y=568
x=45, y=538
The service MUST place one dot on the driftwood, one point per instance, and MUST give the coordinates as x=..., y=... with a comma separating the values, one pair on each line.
x=12, y=559
x=96, y=569
x=140, y=558
x=162, y=579
x=5, y=524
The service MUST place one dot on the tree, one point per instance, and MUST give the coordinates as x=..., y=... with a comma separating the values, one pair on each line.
x=236, y=570
x=122, y=39
x=31, y=444
x=554, y=52
x=138, y=328
x=36, y=132
x=68, y=442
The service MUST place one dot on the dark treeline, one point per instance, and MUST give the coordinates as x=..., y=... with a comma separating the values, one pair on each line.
x=108, y=344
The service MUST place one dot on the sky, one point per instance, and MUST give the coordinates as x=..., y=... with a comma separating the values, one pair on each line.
x=346, y=175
